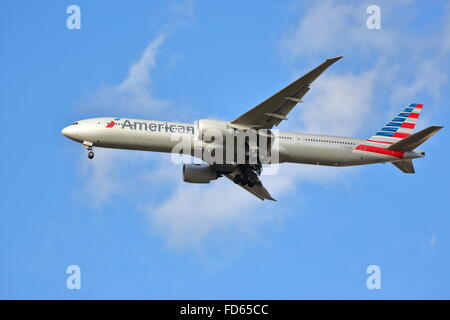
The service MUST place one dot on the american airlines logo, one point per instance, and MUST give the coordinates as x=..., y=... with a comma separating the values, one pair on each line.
x=152, y=126
x=112, y=123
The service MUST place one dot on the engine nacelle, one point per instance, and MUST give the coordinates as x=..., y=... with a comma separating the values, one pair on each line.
x=208, y=130
x=198, y=173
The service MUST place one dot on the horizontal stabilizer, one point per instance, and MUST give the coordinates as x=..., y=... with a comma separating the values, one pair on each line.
x=413, y=141
x=405, y=165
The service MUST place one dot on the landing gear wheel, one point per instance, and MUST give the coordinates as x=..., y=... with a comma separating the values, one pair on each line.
x=251, y=183
x=91, y=155
x=237, y=179
x=244, y=180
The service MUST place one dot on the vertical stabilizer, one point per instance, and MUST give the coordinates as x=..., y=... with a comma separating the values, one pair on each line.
x=398, y=128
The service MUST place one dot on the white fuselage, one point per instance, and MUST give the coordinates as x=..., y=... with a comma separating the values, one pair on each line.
x=149, y=135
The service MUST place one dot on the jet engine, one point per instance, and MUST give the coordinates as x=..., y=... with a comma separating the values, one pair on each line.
x=198, y=173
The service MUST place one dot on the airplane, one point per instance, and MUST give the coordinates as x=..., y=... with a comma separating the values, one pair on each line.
x=395, y=142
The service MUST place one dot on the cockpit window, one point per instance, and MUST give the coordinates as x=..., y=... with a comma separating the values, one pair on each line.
x=74, y=123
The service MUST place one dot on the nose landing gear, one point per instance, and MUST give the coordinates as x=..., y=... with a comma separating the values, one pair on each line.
x=88, y=145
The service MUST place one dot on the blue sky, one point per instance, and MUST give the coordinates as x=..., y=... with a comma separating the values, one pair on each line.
x=138, y=232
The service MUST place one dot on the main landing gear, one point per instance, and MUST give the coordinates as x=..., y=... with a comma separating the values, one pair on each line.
x=244, y=180
x=248, y=175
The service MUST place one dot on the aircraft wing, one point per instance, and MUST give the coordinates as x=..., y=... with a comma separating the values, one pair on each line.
x=272, y=111
x=257, y=190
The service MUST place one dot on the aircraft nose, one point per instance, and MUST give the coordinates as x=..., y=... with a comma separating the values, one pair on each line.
x=69, y=132
x=65, y=131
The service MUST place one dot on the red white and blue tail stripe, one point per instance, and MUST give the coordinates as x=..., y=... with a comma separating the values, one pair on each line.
x=400, y=127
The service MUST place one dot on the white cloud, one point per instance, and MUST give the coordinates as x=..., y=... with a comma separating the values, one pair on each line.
x=193, y=214
x=139, y=74
x=134, y=94
x=406, y=64
x=183, y=10
x=101, y=182
x=104, y=177
x=196, y=217
x=339, y=104
x=334, y=28
x=428, y=66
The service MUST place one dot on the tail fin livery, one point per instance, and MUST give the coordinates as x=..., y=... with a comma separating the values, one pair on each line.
x=397, y=137
x=398, y=128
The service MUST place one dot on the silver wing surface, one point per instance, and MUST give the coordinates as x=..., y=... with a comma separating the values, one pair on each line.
x=272, y=111
x=257, y=190
x=232, y=170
